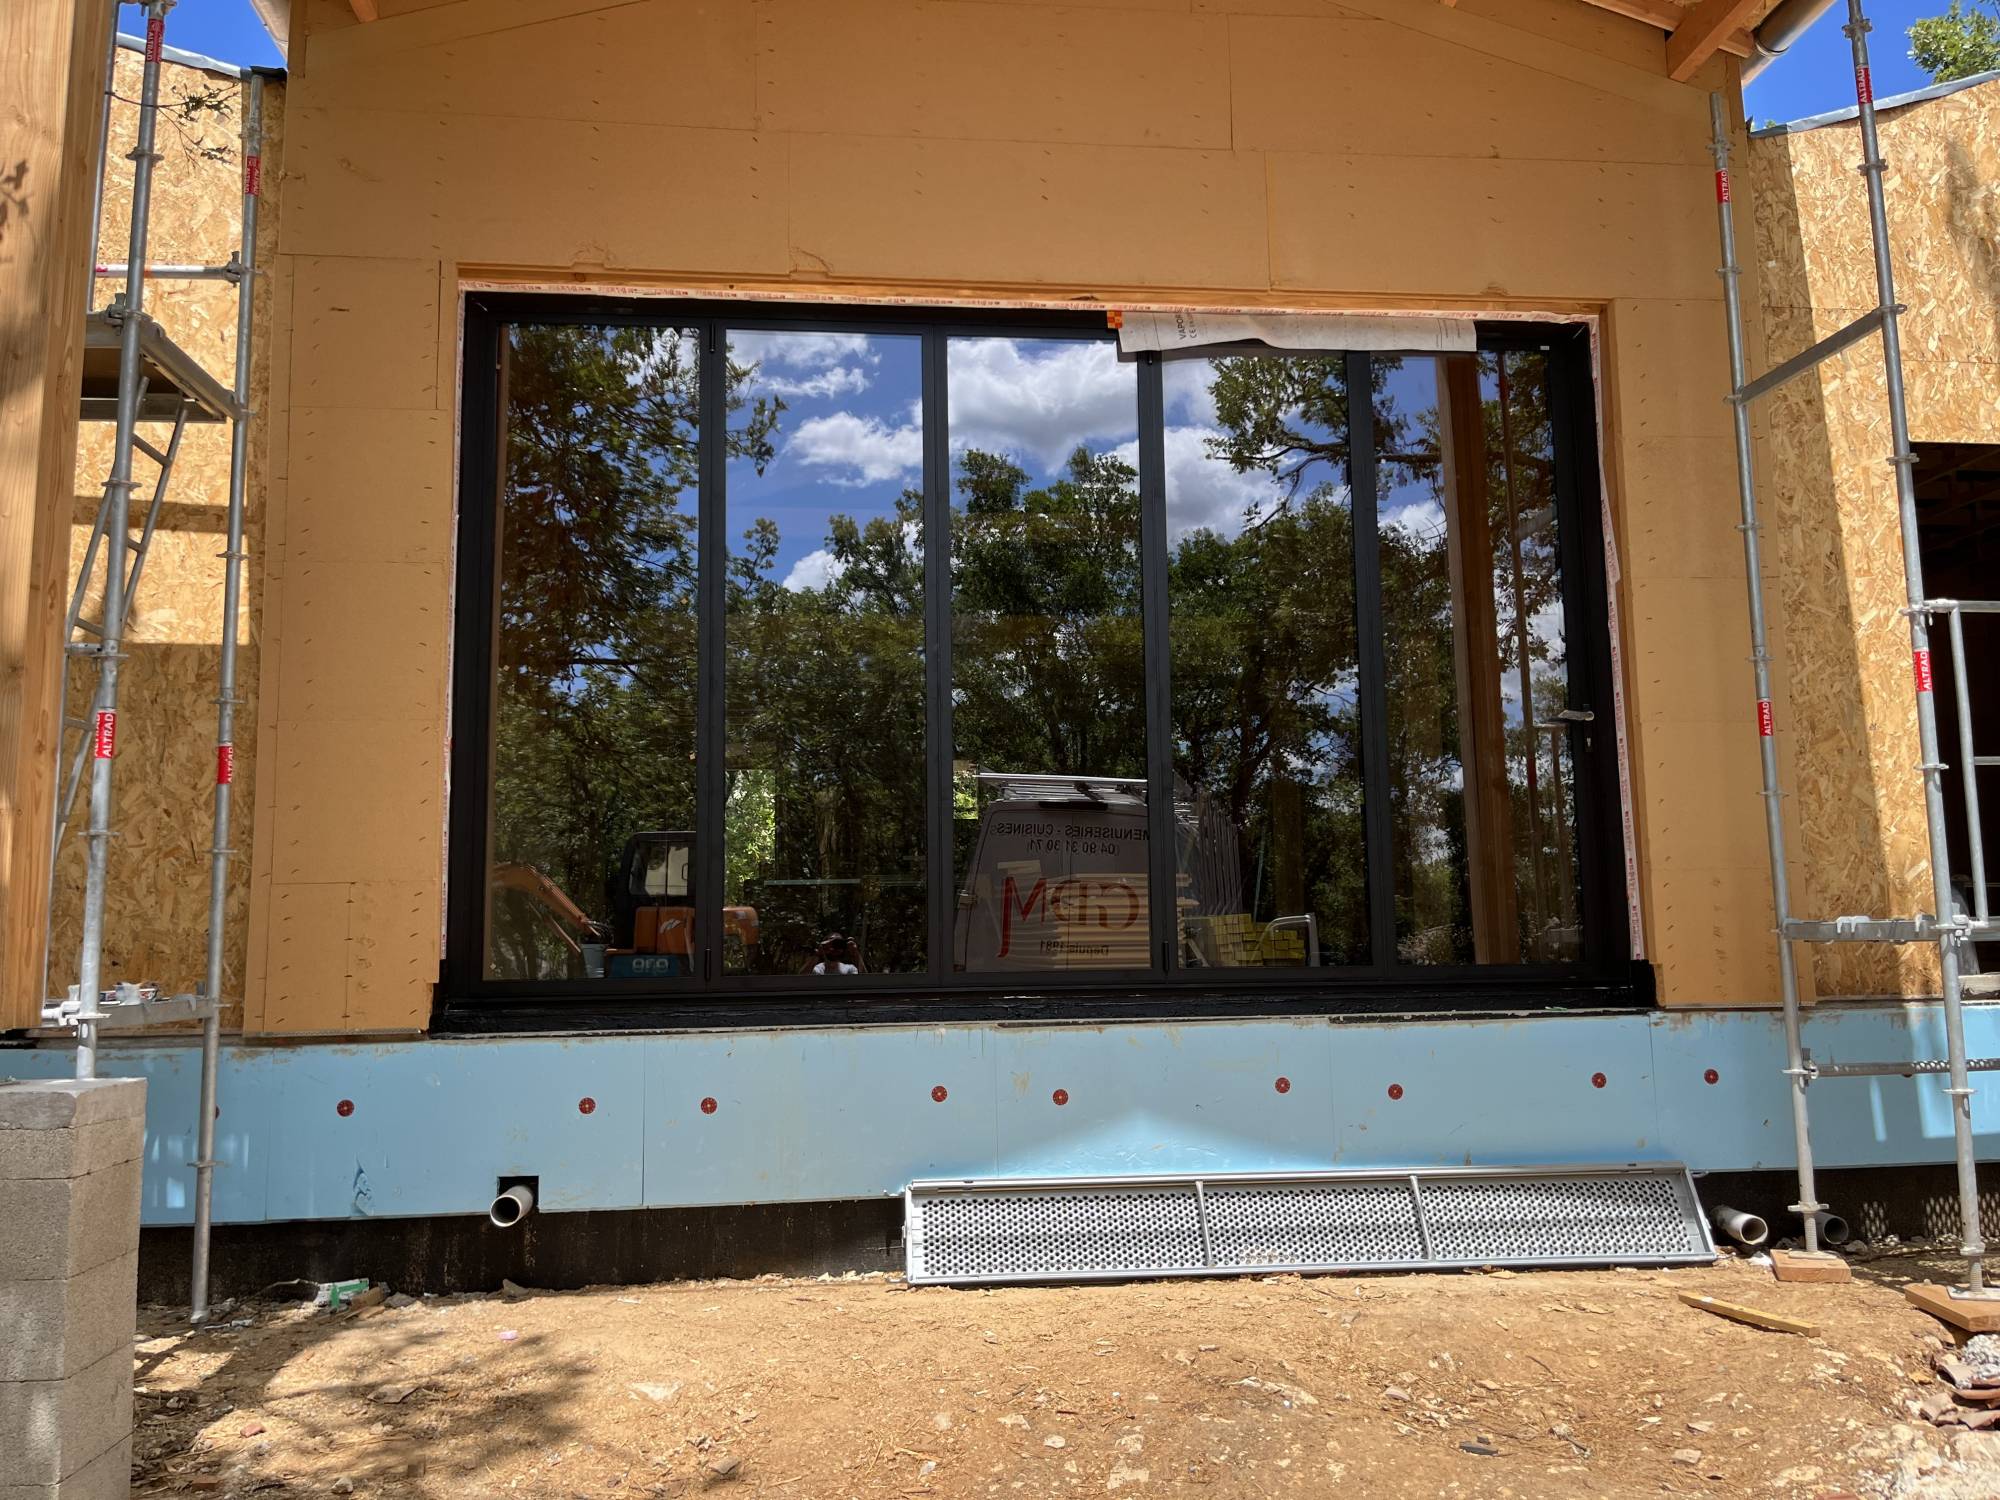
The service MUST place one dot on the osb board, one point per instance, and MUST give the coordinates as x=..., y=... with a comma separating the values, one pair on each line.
x=156, y=921
x=1543, y=163
x=1837, y=558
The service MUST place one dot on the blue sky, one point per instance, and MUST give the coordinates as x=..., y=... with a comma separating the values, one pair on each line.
x=1811, y=79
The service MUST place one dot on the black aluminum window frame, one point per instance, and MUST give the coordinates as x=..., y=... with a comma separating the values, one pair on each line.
x=1605, y=976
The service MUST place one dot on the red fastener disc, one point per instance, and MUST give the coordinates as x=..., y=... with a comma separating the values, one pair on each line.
x=1711, y=1076
x=1284, y=1085
x=708, y=1106
x=1061, y=1097
x=586, y=1106
x=1395, y=1091
x=938, y=1093
x=1598, y=1080
x=344, y=1108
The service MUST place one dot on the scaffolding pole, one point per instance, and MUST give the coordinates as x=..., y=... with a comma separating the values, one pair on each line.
x=225, y=699
x=1943, y=928
x=118, y=495
x=1808, y=1205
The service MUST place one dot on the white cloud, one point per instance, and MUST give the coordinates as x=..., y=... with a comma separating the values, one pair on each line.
x=1206, y=493
x=866, y=450
x=814, y=571
x=841, y=380
x=1039, y=399
x=800, y=351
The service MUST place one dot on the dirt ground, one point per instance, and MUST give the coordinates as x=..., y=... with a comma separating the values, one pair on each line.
x=1494, y=1384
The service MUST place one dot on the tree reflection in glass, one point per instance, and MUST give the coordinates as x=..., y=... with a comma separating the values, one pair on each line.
x=1266, y=683
x=1048, y=659
x=824, y=829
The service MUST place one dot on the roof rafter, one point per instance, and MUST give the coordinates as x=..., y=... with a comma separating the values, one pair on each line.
x=364, y=10
x=1699, y=36
x=1668, y=16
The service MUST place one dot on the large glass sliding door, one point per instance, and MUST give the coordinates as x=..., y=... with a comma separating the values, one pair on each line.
x=872, y=657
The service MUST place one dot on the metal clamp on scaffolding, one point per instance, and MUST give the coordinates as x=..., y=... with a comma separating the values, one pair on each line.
x=134, y=372
x=1949, y=932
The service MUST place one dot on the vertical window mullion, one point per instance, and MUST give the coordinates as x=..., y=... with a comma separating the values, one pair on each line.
x=1378, y=830
x=712, y=548
x=939, y=873
x=1586, y=623
x=1163, y=872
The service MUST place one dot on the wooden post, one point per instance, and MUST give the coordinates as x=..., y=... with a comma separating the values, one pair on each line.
x=51, y=91
x=1482, y=725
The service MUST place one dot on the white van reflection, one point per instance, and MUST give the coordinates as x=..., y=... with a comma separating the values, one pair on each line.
x=1058, y=881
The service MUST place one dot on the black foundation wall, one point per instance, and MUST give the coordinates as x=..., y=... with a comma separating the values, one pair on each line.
x=554, y=1251
x=560, y=1251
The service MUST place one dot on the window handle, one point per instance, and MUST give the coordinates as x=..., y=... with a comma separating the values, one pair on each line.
x=1568, y=716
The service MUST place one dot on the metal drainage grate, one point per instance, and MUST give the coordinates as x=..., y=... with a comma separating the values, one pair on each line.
x=1096, y=1228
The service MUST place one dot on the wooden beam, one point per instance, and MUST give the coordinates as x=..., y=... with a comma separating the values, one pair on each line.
x=1667, y=15
x=52, y=55
x=364, y=10
x=1700, y=35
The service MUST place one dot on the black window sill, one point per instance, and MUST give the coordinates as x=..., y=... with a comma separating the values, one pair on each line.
x=476, y=1015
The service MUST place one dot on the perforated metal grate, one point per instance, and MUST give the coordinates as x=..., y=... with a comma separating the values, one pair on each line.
x=1135, y=1229
x=1335, y=1223
x=1092, y=1228
x=1602, y=1218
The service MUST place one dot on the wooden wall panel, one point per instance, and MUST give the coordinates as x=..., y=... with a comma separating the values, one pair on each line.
x=1283, y=100
x=1838, y=569
x=1459, y=232
x=862, y=67
x=1528, y=154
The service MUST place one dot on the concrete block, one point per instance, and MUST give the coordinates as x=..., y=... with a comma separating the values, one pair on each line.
x=60, y=1326
x=62, y=1226
x=65, y=1103
x=74, y=1152
x=106, y=1477
x=49, y=1429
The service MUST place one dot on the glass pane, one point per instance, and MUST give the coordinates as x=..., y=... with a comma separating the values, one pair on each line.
x=1266, y=672
x=593, y=716
x=823, y=830
x=1482, y=776
x=1048, y=658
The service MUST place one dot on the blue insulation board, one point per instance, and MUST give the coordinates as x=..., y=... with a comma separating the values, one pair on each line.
x=423, y=1127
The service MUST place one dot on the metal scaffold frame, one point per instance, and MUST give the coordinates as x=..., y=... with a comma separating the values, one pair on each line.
x=156, y=381
x=1950, y=930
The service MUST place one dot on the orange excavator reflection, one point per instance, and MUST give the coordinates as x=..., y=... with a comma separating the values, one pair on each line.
x=651, y=896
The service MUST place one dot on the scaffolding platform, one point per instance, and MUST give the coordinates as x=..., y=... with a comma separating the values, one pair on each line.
x=173, y=379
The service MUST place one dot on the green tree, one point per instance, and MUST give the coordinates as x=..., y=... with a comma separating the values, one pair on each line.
x=1961, y=42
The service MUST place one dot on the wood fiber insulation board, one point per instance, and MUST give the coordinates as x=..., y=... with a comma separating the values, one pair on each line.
x=1100, y=79
x=601, y=64
x=156, y=916
x=1624, y=230
x=51, y=60
x=1280, y=101
x=1691, y=703
x=1635, y=44
x=1860, y=802
x=1101, y=149
x=1007, y=211
x=343, y=513
x=555, y=193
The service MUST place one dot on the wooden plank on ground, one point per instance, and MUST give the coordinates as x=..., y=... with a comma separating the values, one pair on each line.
x=1756, y=1317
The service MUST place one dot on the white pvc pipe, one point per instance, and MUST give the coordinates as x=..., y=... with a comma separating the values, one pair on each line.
x=1747, y=1230
x=512, y=1206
